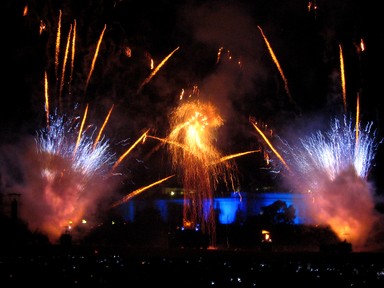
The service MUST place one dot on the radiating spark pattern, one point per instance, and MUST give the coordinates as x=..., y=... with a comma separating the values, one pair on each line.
x=193, y=126
x=335, y=150
x=58, y=140
x=334, y=166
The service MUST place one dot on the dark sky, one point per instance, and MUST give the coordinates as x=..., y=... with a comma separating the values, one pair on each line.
x=305, y=40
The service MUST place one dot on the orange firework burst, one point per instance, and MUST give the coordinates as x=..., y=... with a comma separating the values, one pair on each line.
x=193, y=126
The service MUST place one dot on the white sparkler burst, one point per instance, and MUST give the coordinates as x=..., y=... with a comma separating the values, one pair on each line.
x=85, y=157
x=327, y=154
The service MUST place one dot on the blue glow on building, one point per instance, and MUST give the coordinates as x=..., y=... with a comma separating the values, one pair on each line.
x=228, y=208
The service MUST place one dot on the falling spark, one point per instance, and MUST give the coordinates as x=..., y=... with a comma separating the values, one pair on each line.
x=254, y=124
x=154, y=72
x=46, y=97
x=25, y=10
x=57, y=51
x=103, y=127
x=362, y=45
x=42, y=27
x=228, y=157
x=95, y=57
x=64, y=64
x=138, y=191
x=169, y=142
x=81, y=130
x=277, y=64
x=72, y=54
x=357, y=125
x=219, y=54
x=185, y=148
x=142, y=138
x=343, y=78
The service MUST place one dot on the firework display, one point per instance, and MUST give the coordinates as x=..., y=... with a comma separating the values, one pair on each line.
x=96, y=88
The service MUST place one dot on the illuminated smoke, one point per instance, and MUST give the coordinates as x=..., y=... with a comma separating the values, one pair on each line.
x=333, y=166
x=67, y=178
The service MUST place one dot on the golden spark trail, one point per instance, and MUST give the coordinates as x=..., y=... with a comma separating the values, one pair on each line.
x=102, y=127
x=58, y=36
x=138, y=191
x=94, y=58
x=73, y=54
x=64, y=64
x=169, y=142
x=46, y=98
x=357, y=120
x=80, y=131
x=185, y=148
x=142, y=137
x=269, y=144
x=154, y=72
x=225, y=158
x=277, y=64
x=342, y=72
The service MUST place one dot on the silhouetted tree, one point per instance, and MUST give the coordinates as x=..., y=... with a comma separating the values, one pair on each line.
x=279, y=213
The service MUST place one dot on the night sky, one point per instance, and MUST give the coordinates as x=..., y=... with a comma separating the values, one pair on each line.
x=305, y=41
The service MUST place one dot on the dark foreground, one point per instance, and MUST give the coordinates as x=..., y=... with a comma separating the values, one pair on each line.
x=58, y=266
